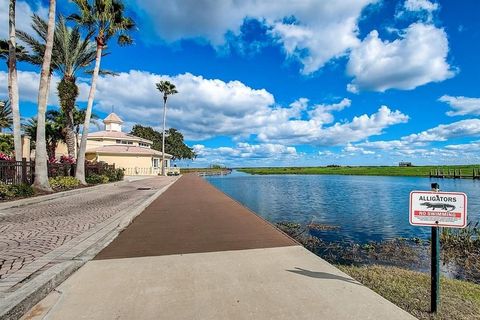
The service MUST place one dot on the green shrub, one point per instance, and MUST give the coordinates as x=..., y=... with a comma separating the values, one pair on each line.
x=97, y=178
x=64, y=183
x=114, y=174
x=5, y=191
x=15, y=191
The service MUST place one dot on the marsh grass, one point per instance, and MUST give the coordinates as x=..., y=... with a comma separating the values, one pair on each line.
x=460, y=250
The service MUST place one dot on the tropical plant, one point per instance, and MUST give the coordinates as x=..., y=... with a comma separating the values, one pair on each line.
x=71, y=54
x=6, y=145
x=53, y=131
x=15, y=191
x=22, y=54
x=13, y=81
x=6, y=119
x=61, y=183
x=167, y=89
x=107, y=20
x=41, y=170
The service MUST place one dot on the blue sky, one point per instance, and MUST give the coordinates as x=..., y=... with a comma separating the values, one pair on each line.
x=296, y=83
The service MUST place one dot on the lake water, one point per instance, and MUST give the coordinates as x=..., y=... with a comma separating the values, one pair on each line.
x=366, y=208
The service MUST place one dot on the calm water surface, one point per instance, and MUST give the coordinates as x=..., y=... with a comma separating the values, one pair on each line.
x=365, y=208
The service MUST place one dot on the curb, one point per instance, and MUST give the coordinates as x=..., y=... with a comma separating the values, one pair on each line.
x=56, y=195
x=19, y=302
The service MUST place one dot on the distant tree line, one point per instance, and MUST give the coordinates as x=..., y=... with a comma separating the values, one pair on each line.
x=174, y=143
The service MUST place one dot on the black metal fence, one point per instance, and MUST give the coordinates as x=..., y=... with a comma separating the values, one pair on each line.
x=17, y=172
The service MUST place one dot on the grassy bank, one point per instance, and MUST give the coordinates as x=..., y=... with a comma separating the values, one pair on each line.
x=420, y=171
x=411, y=291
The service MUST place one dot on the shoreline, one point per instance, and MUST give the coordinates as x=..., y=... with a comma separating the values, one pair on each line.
x=387, y=171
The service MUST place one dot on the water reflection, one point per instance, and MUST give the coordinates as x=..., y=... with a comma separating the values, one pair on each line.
x=366, y=208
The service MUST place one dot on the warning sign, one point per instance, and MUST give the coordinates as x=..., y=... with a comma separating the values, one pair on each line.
x=442, y=209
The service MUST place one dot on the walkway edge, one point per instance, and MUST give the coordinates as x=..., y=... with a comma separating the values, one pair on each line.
x=17, y=303
x=52, y=196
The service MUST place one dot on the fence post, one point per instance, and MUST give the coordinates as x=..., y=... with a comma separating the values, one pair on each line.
x=24, y=171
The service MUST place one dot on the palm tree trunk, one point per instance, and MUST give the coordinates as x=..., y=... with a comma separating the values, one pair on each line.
x=164, y=173
x=13, y=83
x=68, y=93
x=41, y=169
x=80, y=171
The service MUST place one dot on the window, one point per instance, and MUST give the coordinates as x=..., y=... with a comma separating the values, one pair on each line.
x=141, y=144
x=123, y=142
x=156, y=163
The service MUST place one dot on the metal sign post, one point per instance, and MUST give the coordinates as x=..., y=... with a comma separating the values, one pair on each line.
x=435, y=264
x=437, y=209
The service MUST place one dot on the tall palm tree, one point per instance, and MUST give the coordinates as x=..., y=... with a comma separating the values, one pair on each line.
x=71, y=54
x=54, y=121
x=106, y=18
x=6, y=119
x=13, y=82
x=41, y=170
x=22, y=54
x=167, y=88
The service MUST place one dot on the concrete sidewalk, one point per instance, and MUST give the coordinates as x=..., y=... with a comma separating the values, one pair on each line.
x=197, y=254
x=42, y=243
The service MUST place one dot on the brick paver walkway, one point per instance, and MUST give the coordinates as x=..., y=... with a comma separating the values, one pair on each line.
x=31, y=232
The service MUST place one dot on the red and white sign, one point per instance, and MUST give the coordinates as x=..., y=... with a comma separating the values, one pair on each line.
x=441, y=209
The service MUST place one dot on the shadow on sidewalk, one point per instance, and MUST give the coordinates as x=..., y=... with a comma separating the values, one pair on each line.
x=322, y=275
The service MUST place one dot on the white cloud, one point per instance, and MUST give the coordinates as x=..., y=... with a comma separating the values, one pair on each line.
x=206, y=108
x=28, y=83
x=22, y=18
x=244, y=153
x=419, y=5
x=444, y=132
x=418, y=57
x=417, y=144
x=462, y=105
x=351, y=149
x=321, y=30
x=314, y=133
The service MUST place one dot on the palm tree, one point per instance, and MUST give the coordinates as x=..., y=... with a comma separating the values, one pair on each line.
x=22, y=54
x=54, y=121
x=71, y=54
x=6, y=120
x=41, y=170
x=167, y=89
x=13, y=82
x=105, y=18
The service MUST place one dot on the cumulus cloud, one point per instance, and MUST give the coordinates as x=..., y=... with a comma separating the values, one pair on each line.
x=462, y=105
x=313, y=132
x=311, y=31
x=418, y=57
x=28, y=83
x=244, y=153
x=419, y=5
x=417, y=143
x=22, y=18
x=206, y=108
x=444, y=132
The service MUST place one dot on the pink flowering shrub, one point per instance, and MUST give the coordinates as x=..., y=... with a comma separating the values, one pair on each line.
x=5, y=157
x=67, y=159
x=52, y=160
